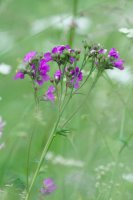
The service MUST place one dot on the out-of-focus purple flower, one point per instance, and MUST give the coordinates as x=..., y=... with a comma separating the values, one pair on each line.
x=60, y=49
x=102, y=51
x=48, y=186
x=113, y=53
x=2, y=124
x=50, y=93
x=29, y=56
x=47, y=57
x=119, y=64
x=58, y=75
x=77, y=76
x=19, y=75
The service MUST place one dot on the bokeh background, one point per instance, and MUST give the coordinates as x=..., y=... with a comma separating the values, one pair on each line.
x=88, y=164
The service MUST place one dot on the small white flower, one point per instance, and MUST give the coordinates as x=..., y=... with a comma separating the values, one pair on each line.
x=130, y=35
x=125, y=77
x=124, y=30
x=58, y=159
x=127, y=31
x=128, y=177
x=5, y=69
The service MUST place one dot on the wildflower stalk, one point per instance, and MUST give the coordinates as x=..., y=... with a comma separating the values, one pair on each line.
x=48, y=144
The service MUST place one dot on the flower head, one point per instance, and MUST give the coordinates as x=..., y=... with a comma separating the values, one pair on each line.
x=47, y=57
x=19, y=75
x=29, y=56
x=58, y=75
x=42, y=71
x=49, y=95
x=60, y=49
x=113, y=53
x=102, y=51
x=48, y=186
x=77, y=76
x=119, y=64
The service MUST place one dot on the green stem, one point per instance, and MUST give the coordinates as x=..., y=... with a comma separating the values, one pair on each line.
x=49, y=142
x=28, y=159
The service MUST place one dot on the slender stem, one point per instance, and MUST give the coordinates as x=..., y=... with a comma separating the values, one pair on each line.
x=78, y=108
x=92, y=69
x=46, y=148
x=50, y=139
x=28, y=159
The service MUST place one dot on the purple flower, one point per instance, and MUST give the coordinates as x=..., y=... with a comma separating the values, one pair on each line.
x=47, y=57
x=119, y=64
x=60, y=49
x=48, y=186
x=77, y=76
x=113, y=53
x=102, y=51
x=50, y=93
x=58, y=75
x=29, y=56
x=43, y=69
x=42, y=79
x=19, y=75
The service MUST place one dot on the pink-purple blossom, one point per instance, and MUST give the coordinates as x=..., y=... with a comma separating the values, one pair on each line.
x=47, y=57
x=119, y=64
x=29, y=56
x=60, y=49
x=19, y=75
x=113, y=53
x=77, y=76
x=58, y=75
x=43, y=69
x=48, y=186
x=102, y=51
x=49, y=95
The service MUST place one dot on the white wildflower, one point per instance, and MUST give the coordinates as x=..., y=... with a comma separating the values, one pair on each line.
x=5, y=69
x=128, y=177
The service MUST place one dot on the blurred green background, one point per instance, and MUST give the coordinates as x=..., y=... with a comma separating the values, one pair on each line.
x=86, y=165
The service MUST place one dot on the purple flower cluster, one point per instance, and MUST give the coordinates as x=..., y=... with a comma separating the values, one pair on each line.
x=37, y=66
x=104, y=59
x=48, y=186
